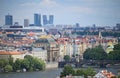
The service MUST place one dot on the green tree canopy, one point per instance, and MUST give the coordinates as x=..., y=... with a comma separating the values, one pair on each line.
x=31, y=63
x=67, y=71
x=25, y=64
x=66, y=57
x=77, y=72
x=8, y=68
x=116, y=47
x=114, y=55
x=38, y=64
x=10, y=60
x=17, y=64
x=96, y=53
x=3, y=63
x=80, y=72
x=89, y=72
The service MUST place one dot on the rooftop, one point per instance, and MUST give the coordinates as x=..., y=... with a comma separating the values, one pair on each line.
x=11, y=53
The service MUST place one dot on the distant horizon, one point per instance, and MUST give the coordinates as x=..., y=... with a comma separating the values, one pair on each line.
x=67, y=12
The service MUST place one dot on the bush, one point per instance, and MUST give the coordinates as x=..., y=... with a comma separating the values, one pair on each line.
x=3, y=63
x=38, y=64
x=80, y=72
x=25, y=64
x=29, y=63
x=67, y=71
x=89, y=72
x=66, y=57
x=17, y=65
x=8, y=68
x=33, y=63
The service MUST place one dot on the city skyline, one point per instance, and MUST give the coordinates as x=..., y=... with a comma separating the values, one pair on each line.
x=48, y=20
x=8, y=19
x=84, y=12
x=37, y=19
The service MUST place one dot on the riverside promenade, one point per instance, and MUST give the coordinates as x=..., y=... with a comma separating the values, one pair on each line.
x=51, y=65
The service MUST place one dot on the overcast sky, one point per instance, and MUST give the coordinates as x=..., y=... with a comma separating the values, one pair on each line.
x=85, y=12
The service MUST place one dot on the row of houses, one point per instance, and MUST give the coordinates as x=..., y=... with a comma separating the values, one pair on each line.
x=50, y=47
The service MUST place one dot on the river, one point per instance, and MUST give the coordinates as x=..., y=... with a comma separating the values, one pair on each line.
x=49, y=73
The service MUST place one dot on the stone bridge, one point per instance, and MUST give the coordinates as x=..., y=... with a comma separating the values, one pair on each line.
x=99, y=63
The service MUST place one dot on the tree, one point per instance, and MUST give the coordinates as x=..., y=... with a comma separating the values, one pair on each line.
x=32, y=63
x=29, y=57
x=38, y=64
x=29, y=63
x=96, y=53
x=114, y=55
x=3, y=62
x=67, y=71
x=42, y=64
x=17, y=64
x=25, y=64
x=8, y=68
x=85, y=72
x=80, y=72
x=89, y=72
x=10, y=60
x=66, y=57
x=116, y=47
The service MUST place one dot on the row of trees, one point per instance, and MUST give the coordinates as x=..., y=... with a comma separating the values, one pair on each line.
x=68, y=70
x=105, y=33
x=98, y=53
x=29, y=63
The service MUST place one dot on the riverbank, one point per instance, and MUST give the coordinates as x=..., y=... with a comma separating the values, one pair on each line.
x=48, y=73
x=52, y=65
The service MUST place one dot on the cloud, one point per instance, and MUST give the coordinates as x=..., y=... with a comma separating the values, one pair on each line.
x=80, y=9
x=28, y=4
x=52, y=5
x=68, y=11
x=48, y=3
x=43, y=3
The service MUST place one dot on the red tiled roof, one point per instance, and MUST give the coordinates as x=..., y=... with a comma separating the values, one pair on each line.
x=10, y=53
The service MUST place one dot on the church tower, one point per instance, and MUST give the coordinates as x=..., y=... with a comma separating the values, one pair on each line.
x=100, y=35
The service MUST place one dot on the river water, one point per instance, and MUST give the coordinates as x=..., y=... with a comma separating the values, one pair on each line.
x=49, y=73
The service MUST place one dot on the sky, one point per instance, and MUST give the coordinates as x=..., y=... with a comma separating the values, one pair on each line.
x=84, y=12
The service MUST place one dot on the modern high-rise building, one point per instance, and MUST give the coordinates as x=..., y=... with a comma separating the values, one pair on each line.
x=51, y=18
x=77, y=25
x=37, y=19
x=8, y=20
x=26, y=22
x=48, y=21
x=45, y=22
